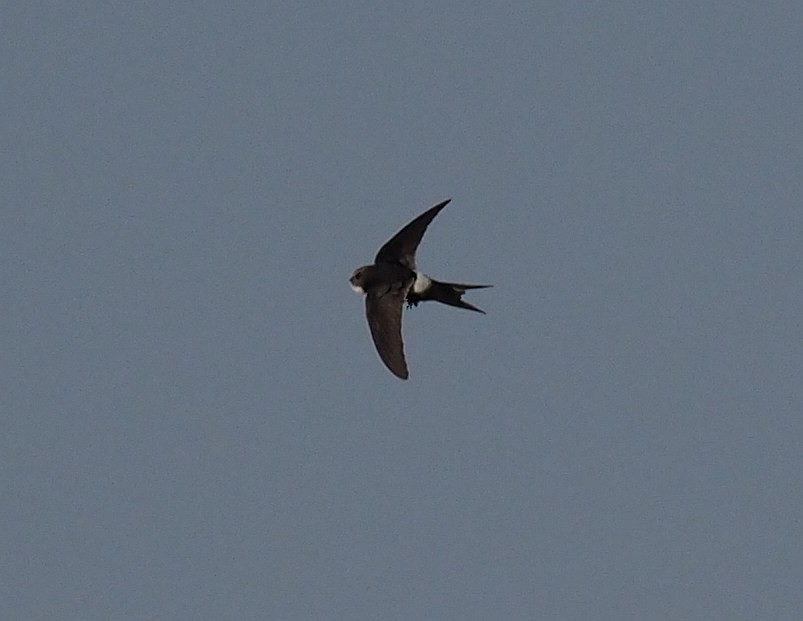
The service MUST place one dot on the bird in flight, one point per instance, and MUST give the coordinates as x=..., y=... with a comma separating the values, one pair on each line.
x=392, y=280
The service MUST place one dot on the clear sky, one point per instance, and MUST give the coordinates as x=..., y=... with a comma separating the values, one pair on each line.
x=195, y=424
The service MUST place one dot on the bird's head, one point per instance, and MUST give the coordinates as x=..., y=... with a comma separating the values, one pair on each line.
x=358, y=279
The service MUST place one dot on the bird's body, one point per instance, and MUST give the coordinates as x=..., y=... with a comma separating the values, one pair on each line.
x=393, y=280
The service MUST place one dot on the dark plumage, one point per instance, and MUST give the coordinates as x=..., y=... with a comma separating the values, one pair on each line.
x=392, y=280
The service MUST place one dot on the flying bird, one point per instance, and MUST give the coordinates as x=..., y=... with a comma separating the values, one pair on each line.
x=392, y=280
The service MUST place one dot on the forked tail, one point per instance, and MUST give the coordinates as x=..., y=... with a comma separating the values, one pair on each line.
x=450, y=293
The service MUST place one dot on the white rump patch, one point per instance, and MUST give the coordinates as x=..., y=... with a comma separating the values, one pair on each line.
x=422, y=283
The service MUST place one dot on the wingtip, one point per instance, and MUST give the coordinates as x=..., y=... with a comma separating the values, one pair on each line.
x=402, y=374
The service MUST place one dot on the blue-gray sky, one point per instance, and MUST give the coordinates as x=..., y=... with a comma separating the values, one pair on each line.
x=195, y=424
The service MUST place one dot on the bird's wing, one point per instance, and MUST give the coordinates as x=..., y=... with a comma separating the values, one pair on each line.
x=384, y=313
x=402, y=246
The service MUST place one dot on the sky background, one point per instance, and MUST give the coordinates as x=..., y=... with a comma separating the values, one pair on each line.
x=195, y=423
